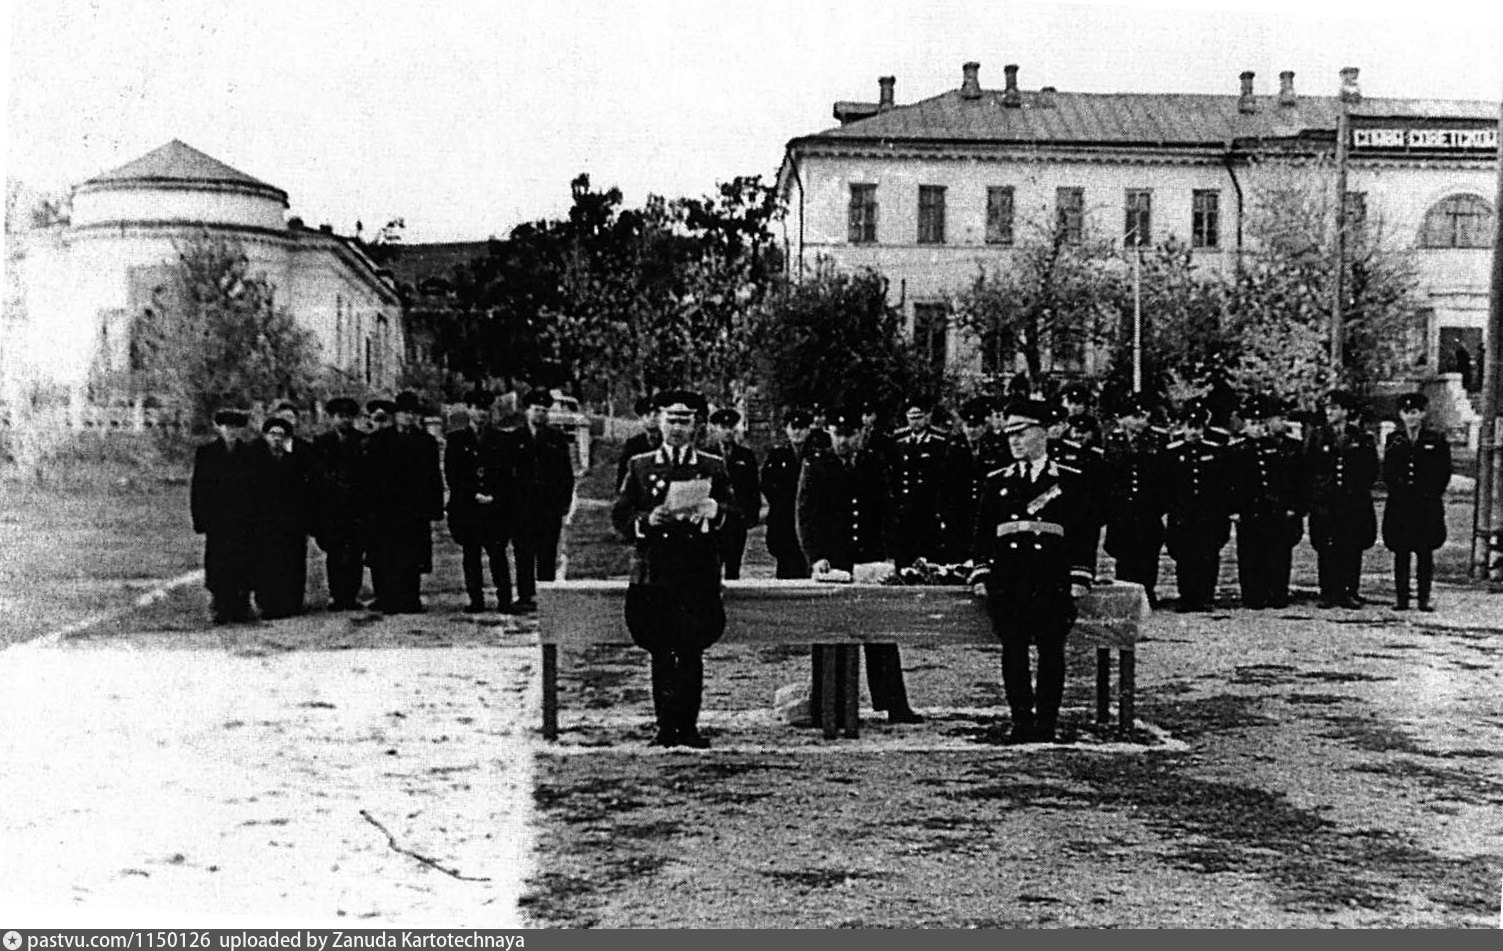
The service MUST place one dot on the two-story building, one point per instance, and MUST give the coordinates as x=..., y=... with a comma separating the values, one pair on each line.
x=926, y=191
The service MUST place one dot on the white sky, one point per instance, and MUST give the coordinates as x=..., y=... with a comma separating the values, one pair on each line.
x=468, y=117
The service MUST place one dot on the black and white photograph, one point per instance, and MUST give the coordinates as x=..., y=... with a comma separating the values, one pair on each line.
x=545, y=464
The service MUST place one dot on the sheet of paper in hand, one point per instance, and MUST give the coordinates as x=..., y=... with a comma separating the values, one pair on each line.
x=685, y=495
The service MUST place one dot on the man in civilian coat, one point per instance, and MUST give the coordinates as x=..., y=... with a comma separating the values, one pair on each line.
x=780, y=474
x=1416, y=471
x=1341, y=464
x=284, y=494
x=842, y=508
x=225, y=507
x=1033, y=551
x=544, y=493
x=1267, y=503
x=404, y=494
x=673, y=603
x=476, y=470
x=746, y=488
x=339, y=513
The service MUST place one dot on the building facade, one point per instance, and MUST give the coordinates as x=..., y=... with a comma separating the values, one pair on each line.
x=79, y=284
x=928, y=191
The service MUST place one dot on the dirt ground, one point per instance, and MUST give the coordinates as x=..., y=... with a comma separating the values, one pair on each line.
x=1299, y=768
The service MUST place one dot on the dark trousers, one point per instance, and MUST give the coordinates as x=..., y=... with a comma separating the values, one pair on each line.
x=344, y=563
x=678, y=680
x=474, y=570
x=675, y=625
x=282, y=574
x=1032, y=613
x=229, y=574
x=884, y=678
x=732, y=548
x=1195, y=573
x=918, y=534
x=1139, y=563
x=535, y=546
x=792, y=565
x=1264, y=556
x=1340, y=568
x=1425, y=565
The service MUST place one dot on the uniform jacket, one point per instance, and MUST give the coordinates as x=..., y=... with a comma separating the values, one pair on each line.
x=780, y=475
x=1341, y=469
x=635, y=445
x=1133, y=478
x=680, y=554
x=921, y=471
x=1416, y=473
x=1091, y=461
x=1040, y=531
x=476, y=463
x=843, y=509
x=1267, y=478
x=746, y=484
x=544, y=473
x=1198, y=500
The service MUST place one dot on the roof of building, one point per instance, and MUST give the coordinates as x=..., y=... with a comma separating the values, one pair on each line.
x=415, y=263
x=1124, y=119
x=179, y=162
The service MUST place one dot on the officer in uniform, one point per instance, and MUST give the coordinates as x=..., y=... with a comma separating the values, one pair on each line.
x=1267, y=488
x=1341, y=462
x=1198, y=509
x=874, y=435
x=404, y=493
x=1080, y=426
x=978, y=452
x=746, y=488
x=1416, y=471
x=540, y=457
x=1033, y=557
x=339, y=516
x=225, y=510
x=647, y=440
x=1133, y=489
x=480, y=486
x=673, y=602
x=842, y=521
x=780, y=474
x=922, y=482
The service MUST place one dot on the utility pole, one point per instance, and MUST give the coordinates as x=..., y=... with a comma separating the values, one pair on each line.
x=1137, y=314
x=1487, y=520
x=1349, y=94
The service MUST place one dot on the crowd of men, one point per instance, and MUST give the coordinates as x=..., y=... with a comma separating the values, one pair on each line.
x=1021, y=496
x=367, y=490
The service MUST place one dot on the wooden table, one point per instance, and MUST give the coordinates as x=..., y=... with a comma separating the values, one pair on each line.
x=837, y=619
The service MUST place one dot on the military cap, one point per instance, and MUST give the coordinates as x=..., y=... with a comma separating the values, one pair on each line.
x=277, y=422
x=642, y=406
x=407, y=402
x=1414, y=401
x=847, y=419
x=538, y=396
x=1084, y=423
x=342, y=406
x=231, y=417
x=798, y=418
x=1258, y=406
x=728, y=418
x=1195, y=413
x=1133, y=404
x=975, y=411
x=1346, y=399
x=689, y=398
x=381, y=406
x=479, y=399
x=1076, y=393
x=921, y=403
x=1023, y=413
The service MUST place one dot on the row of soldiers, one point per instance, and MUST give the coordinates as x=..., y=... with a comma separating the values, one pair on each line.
x=368, y=490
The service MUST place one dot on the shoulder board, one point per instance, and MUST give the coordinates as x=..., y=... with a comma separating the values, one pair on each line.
x=1175, y=444
x=1070, y=469
x=996, y=472
x=710, y=455
x=1095, y=450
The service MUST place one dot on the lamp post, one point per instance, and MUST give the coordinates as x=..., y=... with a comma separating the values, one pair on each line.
x=1349, y=94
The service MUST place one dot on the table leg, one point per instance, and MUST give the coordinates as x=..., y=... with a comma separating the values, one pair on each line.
x=1128, y=686
x=1103, y=684
x=852, y=699
x=550, y=691
x=828, y=689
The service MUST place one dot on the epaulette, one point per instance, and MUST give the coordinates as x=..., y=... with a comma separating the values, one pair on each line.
x=1070, y=469
x=1096, y=450
x=711, y=455
x=997, y=472
x=1176, y=444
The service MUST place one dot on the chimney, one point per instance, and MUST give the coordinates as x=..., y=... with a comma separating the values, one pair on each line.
x=326, y=229
x=1246, y=103
x=1350, y=92
x=970, y=84
x=1046, y=97
x=886, y=85
x=1011, y=96
x=1286, y=89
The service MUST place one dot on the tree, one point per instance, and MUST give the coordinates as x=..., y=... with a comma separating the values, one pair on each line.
x=215, y=335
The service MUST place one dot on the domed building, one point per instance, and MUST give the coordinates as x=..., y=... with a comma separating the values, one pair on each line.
x=82, y=282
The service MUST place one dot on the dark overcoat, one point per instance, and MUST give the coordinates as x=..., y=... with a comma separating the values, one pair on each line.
x=843, y=509
x=1341, y=468
x=404, y=491
x=1197, y=501
x=1266, y=479
x=1415, y=472
x=475, y=463
x=338, y=516
x=224, y=499
x=1133, y=491
x=780, y=474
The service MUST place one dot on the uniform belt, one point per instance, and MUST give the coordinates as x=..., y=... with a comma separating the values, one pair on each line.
x=1040, y=528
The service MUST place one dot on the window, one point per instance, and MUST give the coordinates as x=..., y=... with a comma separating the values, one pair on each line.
x=930, y=326
x=1460, y=221
x=1069, y=209
x=863, y=214
x=999, y=215
x=1137, y=227
x=931, y=218
x=1205, y=219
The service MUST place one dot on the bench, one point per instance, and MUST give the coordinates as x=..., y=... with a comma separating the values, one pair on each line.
x=837, y=619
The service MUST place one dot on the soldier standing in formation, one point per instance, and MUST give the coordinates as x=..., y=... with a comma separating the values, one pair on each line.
x=1198, y=516
x=225, y=509
x=974, y=454
x=1267, y=488
x=338, y=522
x=1034, y=556
x=922, y=477
x=1341, y=462
x=1134, y=493
x=1416, y=471
x=650, y=438
x=746, y=489
x=780, y=475
x=842, y=519
x=282, y=529
x=673, y=602
x=480, y=483
x=543, y=496
x=404, y=494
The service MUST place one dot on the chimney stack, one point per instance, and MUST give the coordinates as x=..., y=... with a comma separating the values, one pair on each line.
x=1246, y=104
x=886, y=85
x=1286, y=89
x=1046, y=97
x=1350, y=91
x=970, y=83
x=1011, y=95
